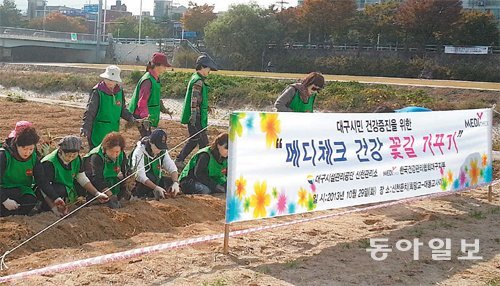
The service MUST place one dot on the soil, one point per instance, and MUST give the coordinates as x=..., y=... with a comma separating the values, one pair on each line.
x=324, y=252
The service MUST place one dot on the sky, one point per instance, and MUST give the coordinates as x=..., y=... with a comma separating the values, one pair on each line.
x=147, y=5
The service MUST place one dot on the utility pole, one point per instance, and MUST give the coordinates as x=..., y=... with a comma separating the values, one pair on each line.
x=98, y=33
x=104, y=20
x=282, y=3
x=140, y=21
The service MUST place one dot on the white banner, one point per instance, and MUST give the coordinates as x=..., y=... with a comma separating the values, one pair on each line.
x=290, y=163
x=476, y=50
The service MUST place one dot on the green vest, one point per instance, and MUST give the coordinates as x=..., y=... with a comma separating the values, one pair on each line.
x=64, y=176
x=111, y=169
x=108, y=116
x=186, y=111
x=153, y=101
x=297, y=105
x=216, y=170
x=19, y=174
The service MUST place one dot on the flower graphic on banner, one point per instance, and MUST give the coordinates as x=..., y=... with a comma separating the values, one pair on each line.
x=449, y=176
x=444, y=184
x=235, y=126
x=272, y=213
x=249, y=123
x=463, y=178
x=488, y=174
x=282, y=203
x=474, y=172
x=233, y=209
x=275, y=192
x=484, y=160
x=311, y=204
x=260, y=200
x=456, y=184
x=302, y=197
x=310, y=180
x=270, y=124
x=291, y=208
x=241, y=185
x=246, y=205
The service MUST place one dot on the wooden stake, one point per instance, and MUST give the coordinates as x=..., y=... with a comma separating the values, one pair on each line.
x=490, y=193
x=226, y=239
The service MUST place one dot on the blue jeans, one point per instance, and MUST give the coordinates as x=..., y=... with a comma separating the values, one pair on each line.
x=193, y=187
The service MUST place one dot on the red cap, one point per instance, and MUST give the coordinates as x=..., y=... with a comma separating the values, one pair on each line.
x=160, y=59
x=20, y=125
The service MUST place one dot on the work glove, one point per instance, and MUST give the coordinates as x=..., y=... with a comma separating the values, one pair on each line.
x=144, y=122
x=11, y=204
x=175, y=189
x=84, y=133
x=220, y=189
x=56, y=211
x=101, y=197
x=61, y=206
x=159, y=193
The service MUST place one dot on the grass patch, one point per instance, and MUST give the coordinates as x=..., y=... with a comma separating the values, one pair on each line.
x=477, y=214
x=217, y=282
x=364, y=243
x=13, y=97
x=292, y=264
x=493, y=282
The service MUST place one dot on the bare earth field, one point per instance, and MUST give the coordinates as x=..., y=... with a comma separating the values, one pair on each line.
x=323, y=252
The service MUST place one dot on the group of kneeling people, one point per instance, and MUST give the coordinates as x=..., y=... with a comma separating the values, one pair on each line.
x=61, y=178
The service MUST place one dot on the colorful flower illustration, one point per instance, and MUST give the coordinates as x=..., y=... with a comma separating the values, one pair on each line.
x=250, y=122
x=310, y=180
x=302, y=197
x=246, y=205
x=260, y=200
x=241, y=185
x=474, y=172
x=449, y=176
x=444, y=184
x=291, y=208
x=272, y=213
x=235, y=125
x=310, y=202
x=270, y=124
x=484, y=160
x=456, y=184
x=463, y=178
x=282, y=203
x=233, y=209
x=488, y=174
x=275, y=192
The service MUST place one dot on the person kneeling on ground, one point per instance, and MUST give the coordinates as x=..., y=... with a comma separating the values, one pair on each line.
x=106, y=165
x=63, y=167
x=206, y=171
x=150, y=158
x=20, y=169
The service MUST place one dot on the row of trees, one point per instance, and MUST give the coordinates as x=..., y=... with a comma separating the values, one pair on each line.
x=240, y=36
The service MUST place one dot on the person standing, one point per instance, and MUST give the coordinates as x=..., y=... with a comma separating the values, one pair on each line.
x=195, y=111
x=105, y=107
x=146, y=101
x=150, y=159
x=300, y=97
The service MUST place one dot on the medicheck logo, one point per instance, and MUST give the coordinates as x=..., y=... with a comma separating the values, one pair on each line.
x=478, y=121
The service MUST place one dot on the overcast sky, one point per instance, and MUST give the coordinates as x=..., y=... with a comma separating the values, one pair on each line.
x=147, y=5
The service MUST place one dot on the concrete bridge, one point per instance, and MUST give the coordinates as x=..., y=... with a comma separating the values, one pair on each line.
x=18, y=44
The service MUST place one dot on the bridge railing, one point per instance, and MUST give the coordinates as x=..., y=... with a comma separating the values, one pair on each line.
x=33, y=34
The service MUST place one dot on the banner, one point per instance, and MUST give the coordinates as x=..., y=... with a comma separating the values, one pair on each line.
x=475, y=50
x=290, y=163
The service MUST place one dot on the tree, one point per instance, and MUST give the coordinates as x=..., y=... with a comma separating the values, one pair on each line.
x=381, y=21
x=293, y=29
x=128, y=27
x=429, y=21
x=10, y=16
x=324, y=18
x=240, y=36
x=56, y=21
x=197, y=17
x=476, y=28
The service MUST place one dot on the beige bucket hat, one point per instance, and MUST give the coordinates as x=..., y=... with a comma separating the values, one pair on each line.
x=112, y=73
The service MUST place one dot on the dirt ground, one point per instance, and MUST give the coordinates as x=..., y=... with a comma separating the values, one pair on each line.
x=323, y=252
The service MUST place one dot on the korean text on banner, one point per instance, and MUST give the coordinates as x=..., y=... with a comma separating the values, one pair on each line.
x=290, y=163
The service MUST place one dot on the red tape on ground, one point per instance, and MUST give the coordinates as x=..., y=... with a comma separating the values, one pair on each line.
x=113, y=257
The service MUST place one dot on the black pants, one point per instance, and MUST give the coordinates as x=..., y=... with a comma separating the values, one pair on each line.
x=142, y=130
x=142, y=191
x=27, y=202
x=200, y=139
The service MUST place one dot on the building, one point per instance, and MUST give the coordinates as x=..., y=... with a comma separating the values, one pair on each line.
x=491, y=6
x=33, y=6
x=161, y=8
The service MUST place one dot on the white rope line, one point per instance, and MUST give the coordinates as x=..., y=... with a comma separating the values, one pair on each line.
x=3, y=265
x=113, y=257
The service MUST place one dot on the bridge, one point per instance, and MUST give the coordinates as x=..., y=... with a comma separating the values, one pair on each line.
x=18, y=44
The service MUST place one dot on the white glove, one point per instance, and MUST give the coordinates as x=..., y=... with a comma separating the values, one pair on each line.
x=159, y=193
x=102, y=196
x=175, y=188
x=120, y=175
x=11, y=204
x=56, y=211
